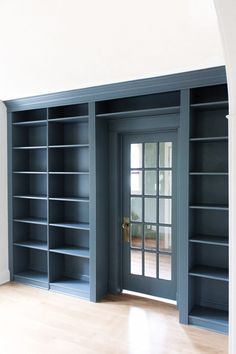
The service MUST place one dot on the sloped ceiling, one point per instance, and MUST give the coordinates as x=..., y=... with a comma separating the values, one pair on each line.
x=56, y=45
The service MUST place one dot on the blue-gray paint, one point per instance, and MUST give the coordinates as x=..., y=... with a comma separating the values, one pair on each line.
x=104, y=276
x=92, y=198
x=198, y=78
x=183, y=180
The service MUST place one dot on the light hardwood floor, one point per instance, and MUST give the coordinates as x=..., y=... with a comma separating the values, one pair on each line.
x=34, y=321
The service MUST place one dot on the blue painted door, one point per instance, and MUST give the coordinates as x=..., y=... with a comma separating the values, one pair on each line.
x=149, y=213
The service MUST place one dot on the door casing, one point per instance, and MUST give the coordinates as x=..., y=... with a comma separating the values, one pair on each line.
x=118, y=128
x=155, y=287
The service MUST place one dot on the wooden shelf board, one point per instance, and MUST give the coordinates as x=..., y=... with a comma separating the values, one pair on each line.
x=213, y=104
x=209, y=139
x=31, y=122
x=67, y=173
x=72, y=251
x=210, y=315
x=31, y=196
x=209, y=206
x=208, y=173
x=31, y=172
x=39, y=221
x=210, y=272
x=40, y=245
x=71, y=225
x=69, y=146
x=29, y=147
x=210, y=240
x=74, y=119
x=140, y=112
x=73, y=284
x=70, y=199
x=33, y=275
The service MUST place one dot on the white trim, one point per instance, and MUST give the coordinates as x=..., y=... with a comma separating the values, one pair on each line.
x=4, y=277
x=4, y=259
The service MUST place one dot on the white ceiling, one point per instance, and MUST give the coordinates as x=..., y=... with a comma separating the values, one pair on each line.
x=56, y=45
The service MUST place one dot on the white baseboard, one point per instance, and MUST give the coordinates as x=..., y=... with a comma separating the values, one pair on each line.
x=4, y=277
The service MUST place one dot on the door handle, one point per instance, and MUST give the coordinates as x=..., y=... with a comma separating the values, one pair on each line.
x=125, y=229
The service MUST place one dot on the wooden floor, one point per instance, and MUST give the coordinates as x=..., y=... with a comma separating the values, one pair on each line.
x=34, y=321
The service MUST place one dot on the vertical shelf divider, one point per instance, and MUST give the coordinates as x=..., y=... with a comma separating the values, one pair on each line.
x=92, y=205
x=183, y=198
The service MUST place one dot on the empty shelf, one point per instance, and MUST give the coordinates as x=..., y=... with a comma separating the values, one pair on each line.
x=210, y=272
x=72, y=225
x=204, y=105
x=32, y=122
x=29, y=147
x=39, y=221
x=140, y=112
x=73, y=251
x=69, y=119
x=31, y=172
x=210, y=240
x=70, y=199
x=67, y=173
x=40, y=245
x=32, y=275
x=208, y=173
x=72, y=284
x=209, y=206
x=31, y=196
x=69, y=146
x=209, y=139
x=209, y=318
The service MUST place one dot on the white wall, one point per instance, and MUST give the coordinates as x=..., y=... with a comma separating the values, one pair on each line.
x=55, y=45
x=226, y=11
x=4, y=271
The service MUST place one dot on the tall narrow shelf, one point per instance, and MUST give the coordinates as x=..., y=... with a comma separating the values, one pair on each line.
x=208, y=208
x=29, y=192
x=30, y=266
x=50, y=198
x=69, y=200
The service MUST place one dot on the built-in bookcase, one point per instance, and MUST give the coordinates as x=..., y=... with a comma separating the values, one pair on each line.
x=64, y=205
x=208, y=203
x=51, y=198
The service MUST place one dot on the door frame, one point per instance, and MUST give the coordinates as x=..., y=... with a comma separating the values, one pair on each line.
x=118, y=128
x=165, y=288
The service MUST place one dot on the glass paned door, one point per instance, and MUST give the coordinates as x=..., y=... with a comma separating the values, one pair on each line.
x=149, y=178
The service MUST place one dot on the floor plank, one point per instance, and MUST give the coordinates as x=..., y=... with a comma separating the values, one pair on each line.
x=34, y=321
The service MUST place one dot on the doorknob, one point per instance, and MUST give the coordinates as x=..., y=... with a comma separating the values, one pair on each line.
x=125, y=229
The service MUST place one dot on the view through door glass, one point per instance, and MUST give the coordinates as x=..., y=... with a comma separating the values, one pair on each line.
x=149, y=251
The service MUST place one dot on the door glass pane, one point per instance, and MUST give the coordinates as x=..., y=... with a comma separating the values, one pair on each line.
x=136, y=235
x=150, y=267
x=165, y=183
x=136, y=182
x=136, y=209
x=150, y=183
x=165, y=154
x=136, y=154
x=150, y=155
x=165, y=238
x=164, y=266
x=150, y=237
x=150, y=210
x=136, y=262
x=165, y=210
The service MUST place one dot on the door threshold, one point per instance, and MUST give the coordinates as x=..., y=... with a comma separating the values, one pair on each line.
x=146, y=296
